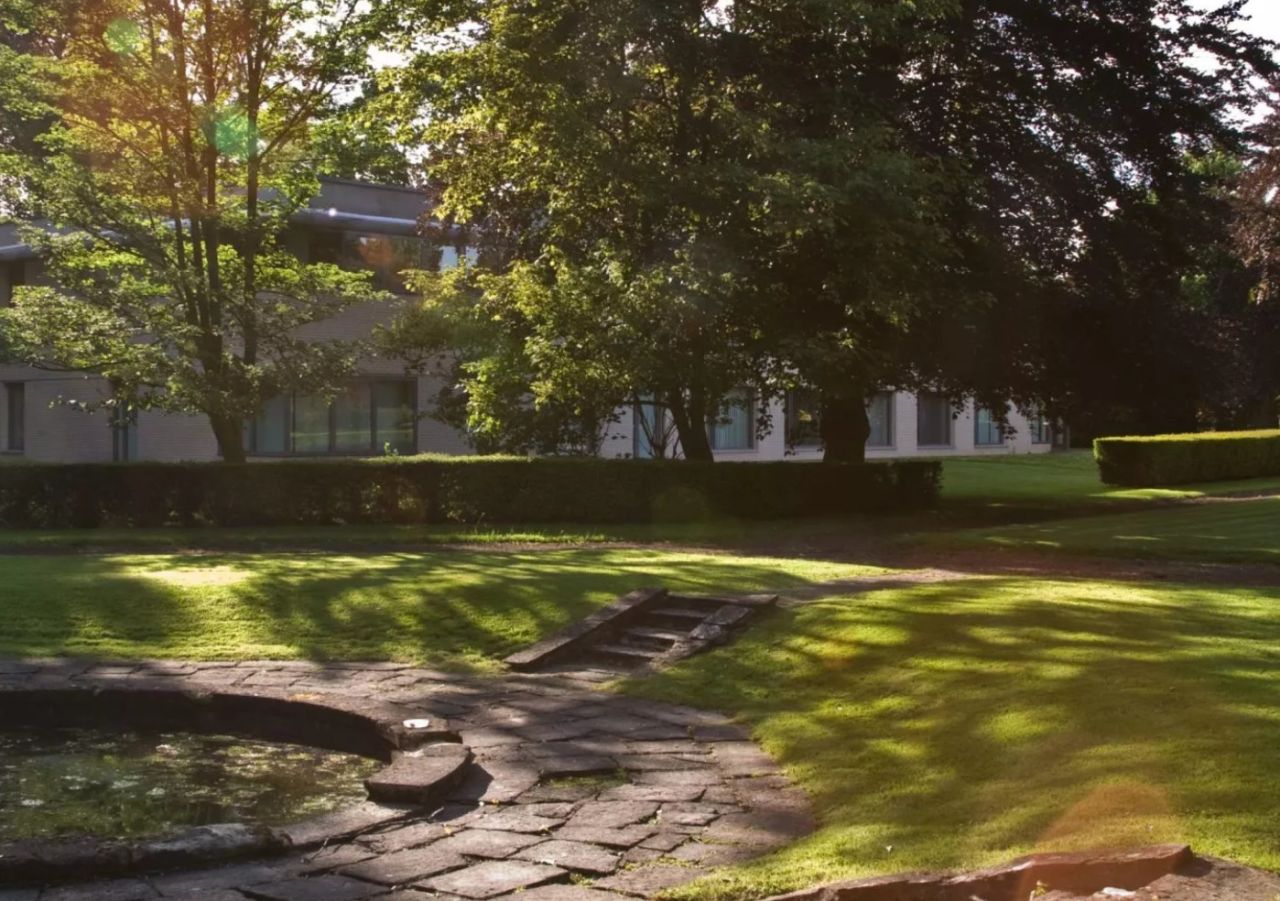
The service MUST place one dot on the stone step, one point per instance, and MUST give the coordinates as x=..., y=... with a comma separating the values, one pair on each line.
x=626, y=650
x=681, y=613
x=654, y=634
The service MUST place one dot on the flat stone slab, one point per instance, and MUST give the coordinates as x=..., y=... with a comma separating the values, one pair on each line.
x=578, y=856
x=494, y=877
x=420, y=777
x=401, y=867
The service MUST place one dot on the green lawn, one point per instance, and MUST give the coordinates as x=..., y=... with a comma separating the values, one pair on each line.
x=1228, y=532
x=443, y=608
x=957, y=725
x=1065, y=479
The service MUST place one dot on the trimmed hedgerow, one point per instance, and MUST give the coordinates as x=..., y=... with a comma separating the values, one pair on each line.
x=1181, y=459
x=450, y=489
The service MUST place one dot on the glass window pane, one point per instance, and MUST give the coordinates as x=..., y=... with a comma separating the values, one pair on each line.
x=733, y=429
x=986, y=431
x=394, y=416
x=310, y=424
x=16, y=401
x=271, y=427
x=351, y=420
x=645, y=429
x=880, y=416
x=803, y=426
x=933, y=421
x=387, y=255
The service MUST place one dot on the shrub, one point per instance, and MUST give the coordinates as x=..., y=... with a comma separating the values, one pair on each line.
x=1180, y=459
x=450, y=489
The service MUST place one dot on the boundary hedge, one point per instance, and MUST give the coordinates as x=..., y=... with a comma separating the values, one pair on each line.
x=1147, y=461
x=451, y=490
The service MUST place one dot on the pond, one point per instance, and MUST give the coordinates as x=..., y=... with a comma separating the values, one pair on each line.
x=129, y=784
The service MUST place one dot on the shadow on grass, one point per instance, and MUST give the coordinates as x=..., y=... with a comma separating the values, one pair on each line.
x=447, y=608
x=956, y=725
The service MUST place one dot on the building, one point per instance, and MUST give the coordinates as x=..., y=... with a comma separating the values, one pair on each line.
x=360, y=224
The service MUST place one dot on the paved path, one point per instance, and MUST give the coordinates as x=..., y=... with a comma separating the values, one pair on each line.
x=689, y=792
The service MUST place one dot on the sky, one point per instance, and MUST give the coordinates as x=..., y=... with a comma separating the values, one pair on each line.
x=1266, y=18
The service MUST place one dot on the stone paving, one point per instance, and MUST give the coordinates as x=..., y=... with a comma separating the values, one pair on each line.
x=573, y=795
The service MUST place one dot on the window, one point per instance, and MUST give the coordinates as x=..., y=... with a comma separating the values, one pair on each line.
x=15, y=275
x=124, y=433
x=653, y=434
x=880, y=417
x=734, y=428
x=804, y=428
x=986, y=430
x=15, y=395
x=1038, y=426
x=366, y=417
x=386, y=255
x=933, y=421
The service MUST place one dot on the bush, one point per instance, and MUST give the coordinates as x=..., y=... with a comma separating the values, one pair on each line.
x=1180, y=459
x=450, y=489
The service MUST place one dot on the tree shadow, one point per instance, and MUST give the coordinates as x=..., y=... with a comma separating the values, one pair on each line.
x=961, y=723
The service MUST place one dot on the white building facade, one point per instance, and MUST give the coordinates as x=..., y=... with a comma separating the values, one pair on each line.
x=385, y=408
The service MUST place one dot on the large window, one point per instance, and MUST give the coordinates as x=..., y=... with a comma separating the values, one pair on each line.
x=1038, y=426
x=387, y=256
x=880, y=417
x=368, y=417
x=987, y=432
x=124, y=433
x=804, y=428
x=934, y=421
x=734, y=427
x=13, y=276
x=15, y=396
x=653, y=432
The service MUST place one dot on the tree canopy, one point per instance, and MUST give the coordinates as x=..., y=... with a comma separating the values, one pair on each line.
x=161, y=146
x=676, y=200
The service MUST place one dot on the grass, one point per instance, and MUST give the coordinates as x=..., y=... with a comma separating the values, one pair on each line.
x=1244, y=531
x=451, y=608
x=962, y=724
x=1065, y=479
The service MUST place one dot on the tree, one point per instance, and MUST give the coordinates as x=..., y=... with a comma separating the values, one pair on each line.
x=684, y=199
x=174, y=144
x=621, y=165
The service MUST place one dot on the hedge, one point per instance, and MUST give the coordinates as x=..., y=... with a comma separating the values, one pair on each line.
x=1181, y=459
x=450, y=489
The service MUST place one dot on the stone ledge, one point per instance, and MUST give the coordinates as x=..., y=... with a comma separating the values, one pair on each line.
x=1080, y=873
x=597, y=625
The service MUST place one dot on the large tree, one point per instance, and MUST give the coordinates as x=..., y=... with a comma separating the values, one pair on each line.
x=684, y=198
x=174, y=141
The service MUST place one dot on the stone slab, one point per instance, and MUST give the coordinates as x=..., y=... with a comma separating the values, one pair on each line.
x=420, y=777
x=579, y=856
x=494, y=877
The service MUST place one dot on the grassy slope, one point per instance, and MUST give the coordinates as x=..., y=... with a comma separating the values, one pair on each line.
x=1062, y=479
x=443, y=608
x=956, y=725
x=1239, y=531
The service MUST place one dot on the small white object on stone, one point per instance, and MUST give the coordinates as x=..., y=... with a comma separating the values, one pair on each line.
x=1117, y=893
x=417, y=723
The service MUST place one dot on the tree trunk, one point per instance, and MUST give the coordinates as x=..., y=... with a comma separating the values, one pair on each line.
x=691, y=428
x=845, y=427
x=230, y=435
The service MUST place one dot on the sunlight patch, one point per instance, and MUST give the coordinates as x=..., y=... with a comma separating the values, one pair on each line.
x=199, y=577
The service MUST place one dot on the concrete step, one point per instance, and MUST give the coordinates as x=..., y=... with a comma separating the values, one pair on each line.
x=628, y=651
x=654, y=634
x=684, y=613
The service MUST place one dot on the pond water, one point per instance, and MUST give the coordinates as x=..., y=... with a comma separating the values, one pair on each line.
x=120, y=784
